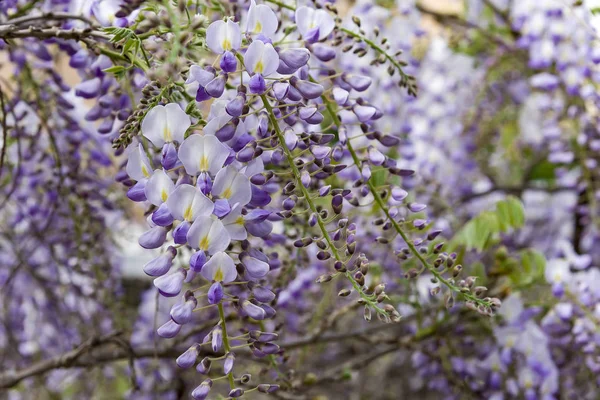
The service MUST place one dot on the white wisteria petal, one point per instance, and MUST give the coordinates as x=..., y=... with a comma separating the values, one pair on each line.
x=261, y=19
x=164, y=124
x=216, y=123
x=220, y=268
x=254, y=167
x=308, y=19
x=209, y=235
x=202, y=154
x=261, y=58
x=223, y=36
x=232, y=185
x=138, y=165
x=234, y=223
x=199, y=75
x=187, y=203
x=159, y=187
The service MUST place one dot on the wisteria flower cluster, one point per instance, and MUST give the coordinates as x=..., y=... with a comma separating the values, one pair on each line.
x=310, y=193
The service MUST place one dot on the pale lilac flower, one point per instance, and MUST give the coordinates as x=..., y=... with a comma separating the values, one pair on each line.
x=165, y=124
x=261, y=20
x=209, y=235
x=234, y=223
x=314, y=25
x=222, y=36
x=202, y=154
x=261, y=60
x=138, y=165
x=187, y=202
x=159, y=187
x=220, y=268
x=232, y=185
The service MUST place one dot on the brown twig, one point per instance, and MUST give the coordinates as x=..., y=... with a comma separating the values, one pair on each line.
x=15, y=32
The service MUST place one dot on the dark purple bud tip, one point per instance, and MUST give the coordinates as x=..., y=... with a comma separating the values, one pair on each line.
x=237, y=392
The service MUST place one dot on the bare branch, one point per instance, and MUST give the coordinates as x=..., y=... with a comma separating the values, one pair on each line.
x=15, y=32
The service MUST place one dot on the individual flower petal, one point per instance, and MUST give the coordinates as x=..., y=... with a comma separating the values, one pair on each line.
x=261, y=58
x=199, y=75
x=220, y=268
x=162, y=216
x=209, y=235
x=187, y=202
x=188, y=359
x=263, y=294
x=228, y=62
x=180, y=232
x=234, y=223
x=294, y=58
x=202, y=391
x=257, y=84
x=138, y=165
x=170, y=285
x=202, y=154
x=223, y=36
x=228, y=363
x=153, y=238
x=254, y=267
x=89, y=89
x=359, y=83
x=182, y=312
x=161, y=264
x=159, y=187
x=197, y=261
x=314, y=24
x=253, y=311
x=231, y=185
x=169, y=330
x=137, y=192
x=215, y=293
x=261, y=19
x=165, y=124
x=168, y=156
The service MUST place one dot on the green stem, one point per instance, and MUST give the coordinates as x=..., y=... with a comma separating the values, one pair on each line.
x=381, y=203
x=306, y=194
x=282, y=4
x=378, y=49
x=226, y=344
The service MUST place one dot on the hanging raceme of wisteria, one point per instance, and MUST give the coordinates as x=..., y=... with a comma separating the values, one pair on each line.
x=299, y=199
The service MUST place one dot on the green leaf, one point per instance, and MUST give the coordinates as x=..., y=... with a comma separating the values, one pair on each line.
x=115, y=69
x=481, y=232
x=530, y=269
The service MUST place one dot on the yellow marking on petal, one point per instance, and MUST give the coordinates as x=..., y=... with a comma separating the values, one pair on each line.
x=167, y=134
x=204, y=163
x=226, y=193
x=187, y=215
x=204, y=243
x=218, y=275
x=145, y=171
x=164, y=195
x=259, y=67
x=258, y=27
x=240, y=220
x=226, y=44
